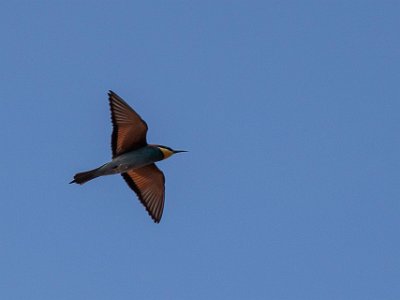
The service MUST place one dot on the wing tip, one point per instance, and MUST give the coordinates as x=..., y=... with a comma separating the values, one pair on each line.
x=156, y=217
x=156, y=220
x=111, y=92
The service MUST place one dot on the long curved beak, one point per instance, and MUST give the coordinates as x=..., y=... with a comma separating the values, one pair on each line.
x=179, y=151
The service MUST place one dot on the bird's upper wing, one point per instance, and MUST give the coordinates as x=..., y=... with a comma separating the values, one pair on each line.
x=148, y=184
x=129, y=130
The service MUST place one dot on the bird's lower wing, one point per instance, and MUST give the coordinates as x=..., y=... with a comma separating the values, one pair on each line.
x=149, y=184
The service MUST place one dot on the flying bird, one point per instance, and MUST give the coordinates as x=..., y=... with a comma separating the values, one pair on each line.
x=133, y=158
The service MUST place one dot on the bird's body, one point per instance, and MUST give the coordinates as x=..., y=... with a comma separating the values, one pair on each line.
x=125, y=162
x=133, y=158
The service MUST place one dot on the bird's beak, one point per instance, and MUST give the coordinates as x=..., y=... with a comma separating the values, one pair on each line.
x=179, y=151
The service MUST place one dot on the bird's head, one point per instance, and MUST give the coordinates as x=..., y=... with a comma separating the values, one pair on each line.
x=167, y=151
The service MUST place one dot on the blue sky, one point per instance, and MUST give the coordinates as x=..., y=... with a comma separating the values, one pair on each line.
x=290, y=111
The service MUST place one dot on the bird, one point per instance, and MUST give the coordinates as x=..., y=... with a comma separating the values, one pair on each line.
x=133, y=158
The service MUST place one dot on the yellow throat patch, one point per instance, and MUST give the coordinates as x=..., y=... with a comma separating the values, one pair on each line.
x=166, y=152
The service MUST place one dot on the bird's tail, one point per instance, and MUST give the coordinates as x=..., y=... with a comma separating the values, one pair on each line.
x=81, y=178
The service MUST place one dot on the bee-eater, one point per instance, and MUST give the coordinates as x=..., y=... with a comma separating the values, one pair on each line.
x=133, y=158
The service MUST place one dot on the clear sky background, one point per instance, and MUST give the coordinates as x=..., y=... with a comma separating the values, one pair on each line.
x=290, y=111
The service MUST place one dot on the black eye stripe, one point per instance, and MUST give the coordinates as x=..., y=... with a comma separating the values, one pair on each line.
x=165, y=147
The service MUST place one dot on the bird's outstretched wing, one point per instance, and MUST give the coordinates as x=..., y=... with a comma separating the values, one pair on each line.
x=129, y=129
x=148, y=183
